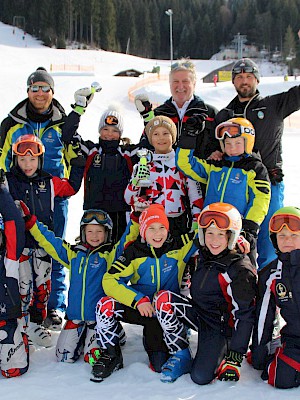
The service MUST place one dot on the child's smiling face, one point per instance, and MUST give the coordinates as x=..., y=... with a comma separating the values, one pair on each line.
x=216, y=240
x=156, y=235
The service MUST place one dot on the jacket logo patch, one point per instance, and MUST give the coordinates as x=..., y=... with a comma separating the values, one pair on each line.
x=2, y=308
x=281, y=291
x=261, y=115
x=236, y=179
x=42, y=185
x=97, y=160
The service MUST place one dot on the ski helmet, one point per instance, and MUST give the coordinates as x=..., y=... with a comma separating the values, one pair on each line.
x=288, y=217
x=225, y=217
x=245, y=65
x=96, y=217
x=29, y=144
x=236, y=127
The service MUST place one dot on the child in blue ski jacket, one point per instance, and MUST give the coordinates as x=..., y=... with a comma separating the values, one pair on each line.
x=88, y=261
x=154, y=262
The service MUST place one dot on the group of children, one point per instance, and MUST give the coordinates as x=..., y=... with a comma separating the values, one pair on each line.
x=134, y=274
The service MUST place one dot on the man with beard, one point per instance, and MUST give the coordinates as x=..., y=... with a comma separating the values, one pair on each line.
x=266, y=115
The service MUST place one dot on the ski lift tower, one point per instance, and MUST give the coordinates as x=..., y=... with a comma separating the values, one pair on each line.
x=239, y=41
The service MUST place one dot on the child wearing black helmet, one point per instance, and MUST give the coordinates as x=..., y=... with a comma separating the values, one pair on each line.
x=88, y=261
x=278, y=288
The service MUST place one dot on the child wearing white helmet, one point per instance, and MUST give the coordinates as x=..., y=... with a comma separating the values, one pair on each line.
x=221, y=307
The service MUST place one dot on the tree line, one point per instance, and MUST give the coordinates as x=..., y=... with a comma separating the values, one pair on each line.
x=142, y=27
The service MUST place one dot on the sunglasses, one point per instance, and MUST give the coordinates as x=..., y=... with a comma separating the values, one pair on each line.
x=187, y=64
x=36, y=88
x=21, y=149
x=221, y=220
x=94, y=215
x=247, y=70
x=277, y=222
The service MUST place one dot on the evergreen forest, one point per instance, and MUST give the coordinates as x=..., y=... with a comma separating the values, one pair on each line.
x=142, y=27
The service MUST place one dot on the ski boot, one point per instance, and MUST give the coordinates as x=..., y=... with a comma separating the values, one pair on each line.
x=110, y=360
x=53, y=321
x=178, y=364
x=39, y=335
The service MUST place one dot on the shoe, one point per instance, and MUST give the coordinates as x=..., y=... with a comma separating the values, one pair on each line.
x=157, y=360
x=39, y=335
x=110, y=360
x=178, y=364
x=53, y=321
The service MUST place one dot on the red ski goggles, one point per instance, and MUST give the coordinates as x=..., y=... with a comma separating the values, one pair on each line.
x=277, y=222
x=229, y=130
x=221, y=220
x=22, y=148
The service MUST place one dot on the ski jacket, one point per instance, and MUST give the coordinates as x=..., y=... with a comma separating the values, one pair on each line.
x=267, y=115
x=223, y=289
x=107, y=173
x=205, y=140
x=87, y=267
x=169, y=187
x=278, y=287
x=10, y=252
x=241, y=181
x=148, y=269
x=50, y=132
x=38, y=193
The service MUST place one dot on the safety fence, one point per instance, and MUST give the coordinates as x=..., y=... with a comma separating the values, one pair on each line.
x=145, y=82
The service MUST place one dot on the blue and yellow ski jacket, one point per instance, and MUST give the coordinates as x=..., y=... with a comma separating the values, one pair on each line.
x=148, y=269
x=87, y=267
x=241, y=181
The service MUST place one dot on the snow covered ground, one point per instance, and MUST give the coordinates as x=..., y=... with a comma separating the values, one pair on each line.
x=47, y=379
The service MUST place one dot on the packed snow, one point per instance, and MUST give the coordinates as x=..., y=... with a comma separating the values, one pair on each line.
x=47, y=379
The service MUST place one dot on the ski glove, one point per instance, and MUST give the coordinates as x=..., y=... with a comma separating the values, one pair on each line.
x=229, y=369
x=140, y=204
x=82, y=97
x=144, y=106
x=29, y=219
x=195, y=125
x=141, y=175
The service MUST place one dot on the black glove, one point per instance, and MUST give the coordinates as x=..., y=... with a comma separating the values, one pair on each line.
x=275, y=175
x=195, y=124
x=230, y=368
x=144, y=106
x=250, y=232
x=2, y=177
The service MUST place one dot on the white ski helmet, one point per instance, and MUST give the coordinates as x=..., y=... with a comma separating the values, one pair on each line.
x=225, y=217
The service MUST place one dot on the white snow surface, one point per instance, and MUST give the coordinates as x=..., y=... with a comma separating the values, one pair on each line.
x=46, y=378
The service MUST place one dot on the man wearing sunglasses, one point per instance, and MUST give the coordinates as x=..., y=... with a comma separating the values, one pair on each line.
x=43, y=116
x=266, y=115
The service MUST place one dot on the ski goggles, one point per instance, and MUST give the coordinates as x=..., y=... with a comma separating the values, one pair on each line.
x=222, y=221
x=291, y=222
x=95, y=215
x=22, y=148
x=36, y=88
x=228, y=130
x=245, y=69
